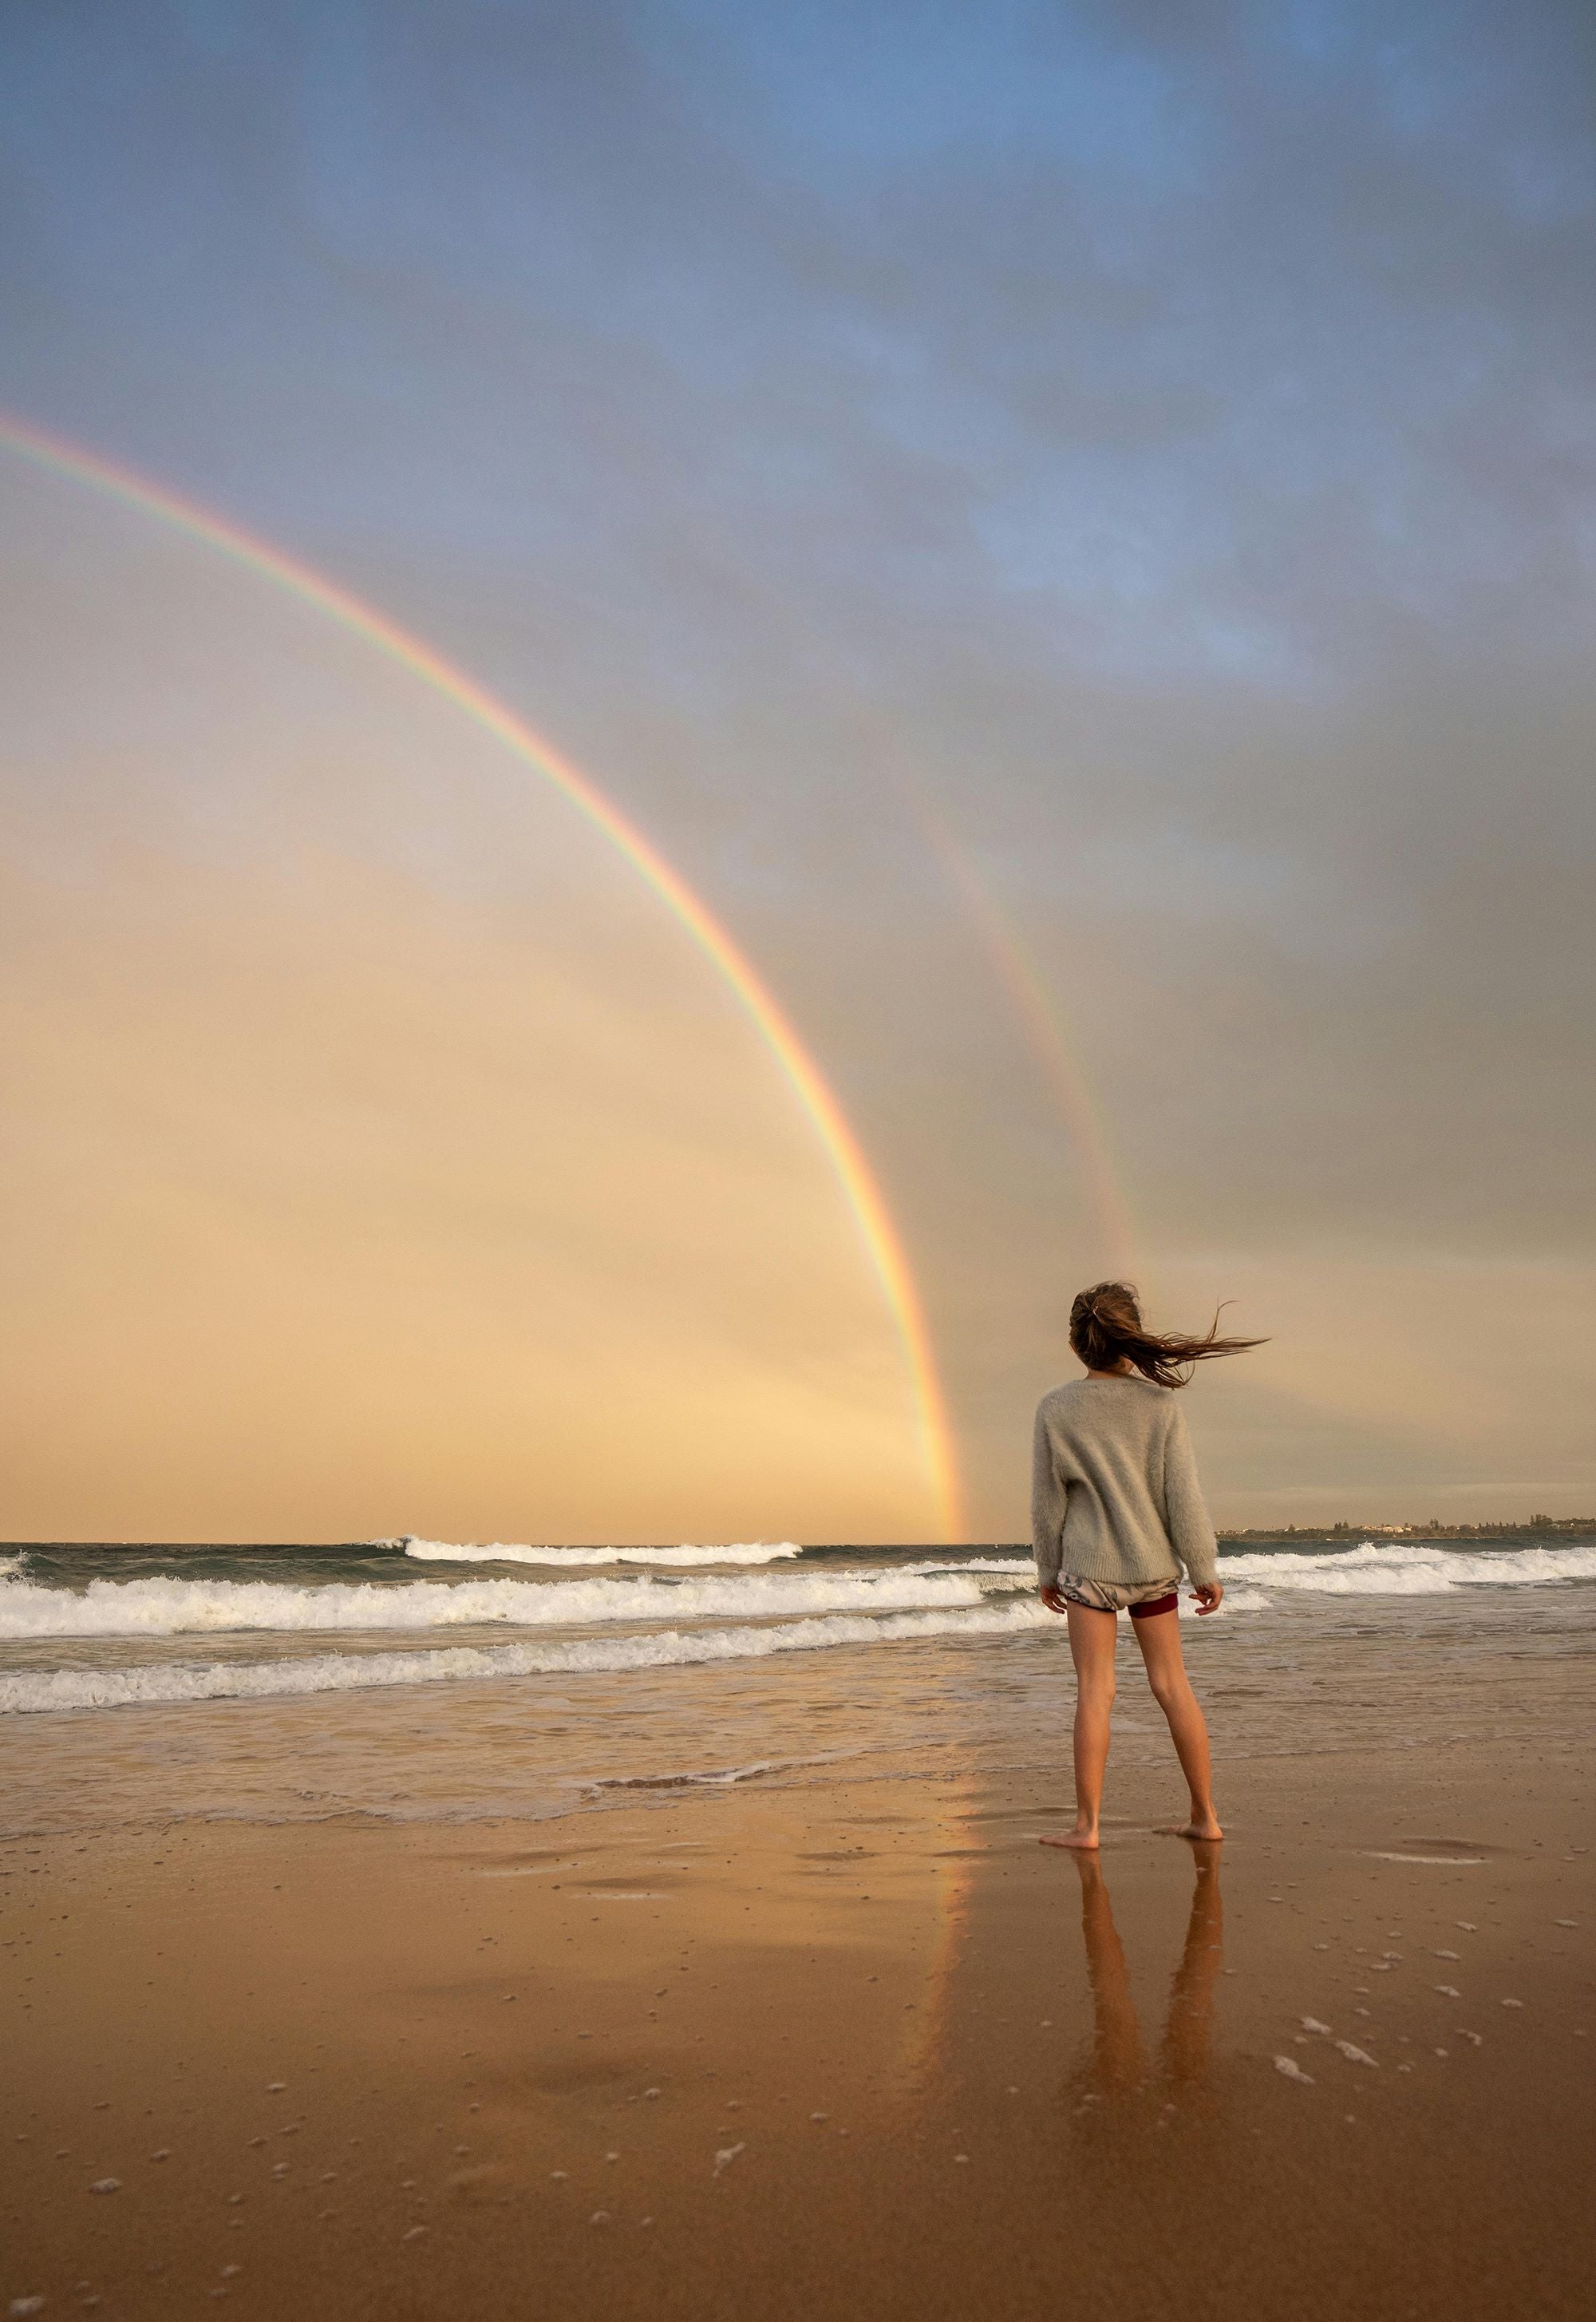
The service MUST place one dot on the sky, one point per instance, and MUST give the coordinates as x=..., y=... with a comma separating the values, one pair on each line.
x=1070, y=528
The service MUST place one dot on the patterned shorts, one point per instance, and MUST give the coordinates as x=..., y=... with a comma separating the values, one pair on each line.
x=1141, y=1599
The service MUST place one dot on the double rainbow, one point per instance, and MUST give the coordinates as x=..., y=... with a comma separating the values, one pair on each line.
x=880, y=1235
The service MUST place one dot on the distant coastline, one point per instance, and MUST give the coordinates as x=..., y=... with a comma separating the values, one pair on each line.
x=1538, y=1527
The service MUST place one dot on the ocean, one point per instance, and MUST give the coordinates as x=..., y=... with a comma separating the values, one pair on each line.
x=416, y=1679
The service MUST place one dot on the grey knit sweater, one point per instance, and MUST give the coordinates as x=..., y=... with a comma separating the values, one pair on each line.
x=1114, y=1489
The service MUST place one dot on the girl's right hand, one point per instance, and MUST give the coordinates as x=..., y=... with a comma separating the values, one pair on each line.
x=1051, y=1597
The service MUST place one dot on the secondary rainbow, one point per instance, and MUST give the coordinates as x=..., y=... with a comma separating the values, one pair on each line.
x=1049, y=1041
x=876, y=1228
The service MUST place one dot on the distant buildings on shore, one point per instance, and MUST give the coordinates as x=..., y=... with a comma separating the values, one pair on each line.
x=1434, y=1530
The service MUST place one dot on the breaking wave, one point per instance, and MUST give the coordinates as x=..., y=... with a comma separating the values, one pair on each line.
x=170, y=1607
x=109, y=1688
x=1404, y=1568
x=575, y=1559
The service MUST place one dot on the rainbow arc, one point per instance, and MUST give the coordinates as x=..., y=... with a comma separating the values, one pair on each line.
x=1047, y=1035
x=877, y=1230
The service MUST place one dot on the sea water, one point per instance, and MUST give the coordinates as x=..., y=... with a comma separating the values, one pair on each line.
x=415, y=1680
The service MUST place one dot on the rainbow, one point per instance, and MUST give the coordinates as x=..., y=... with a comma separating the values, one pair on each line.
x=1046, y=1036
x=301, y=581
x=1043, y=1022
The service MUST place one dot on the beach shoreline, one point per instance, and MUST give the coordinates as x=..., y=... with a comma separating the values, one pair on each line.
x=853, y=2046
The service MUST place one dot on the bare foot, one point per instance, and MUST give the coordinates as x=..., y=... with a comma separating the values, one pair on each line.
x=1084, y=1842
x=1207, y=1830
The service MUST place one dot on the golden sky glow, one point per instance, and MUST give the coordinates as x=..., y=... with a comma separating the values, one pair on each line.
x=383, y=1157
x=1070, y=538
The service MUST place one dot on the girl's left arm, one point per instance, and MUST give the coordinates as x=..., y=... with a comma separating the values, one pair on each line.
x=1185, y=1511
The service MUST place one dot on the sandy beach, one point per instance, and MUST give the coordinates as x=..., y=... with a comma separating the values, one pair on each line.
x=856, y=2047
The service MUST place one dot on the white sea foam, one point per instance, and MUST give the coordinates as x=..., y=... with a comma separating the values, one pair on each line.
x=722, y=1777
x=1405, y=1569
x=575, y=1559
x=168, y=1607
x=1441, y=1862
x=1016, y=1566
x=108, y=1688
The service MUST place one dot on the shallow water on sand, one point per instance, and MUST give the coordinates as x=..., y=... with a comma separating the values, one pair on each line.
x=292, y=1684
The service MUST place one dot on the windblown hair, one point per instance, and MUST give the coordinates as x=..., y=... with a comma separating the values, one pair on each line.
x=1105, y=1329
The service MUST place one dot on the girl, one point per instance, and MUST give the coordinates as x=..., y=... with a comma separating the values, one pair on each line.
x=1116, y=1511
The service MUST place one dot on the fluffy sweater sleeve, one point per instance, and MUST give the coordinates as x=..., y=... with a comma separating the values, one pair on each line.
x=1049, y=1501
x=1185, y=1514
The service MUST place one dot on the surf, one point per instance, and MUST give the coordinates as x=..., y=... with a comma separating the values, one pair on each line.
x=32, y=1691
x=173, y=1607
x=1404, y=1568
x=449, y=1551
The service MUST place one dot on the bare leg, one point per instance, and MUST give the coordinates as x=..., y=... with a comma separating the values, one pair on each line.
x=1160, y=1640
x=1091, y=1648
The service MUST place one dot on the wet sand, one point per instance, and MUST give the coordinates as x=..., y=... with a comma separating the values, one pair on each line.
x=864, y=2049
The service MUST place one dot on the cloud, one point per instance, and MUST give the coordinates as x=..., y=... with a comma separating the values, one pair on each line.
x=1163, y=439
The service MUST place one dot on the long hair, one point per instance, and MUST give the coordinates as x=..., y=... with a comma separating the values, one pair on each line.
x=1105, y=1329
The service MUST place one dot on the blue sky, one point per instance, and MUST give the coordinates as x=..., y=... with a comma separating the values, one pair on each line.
x=1174, y=339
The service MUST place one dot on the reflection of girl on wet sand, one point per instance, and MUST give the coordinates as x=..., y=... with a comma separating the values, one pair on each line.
x=1116, y=1514
x=1117, y=2065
